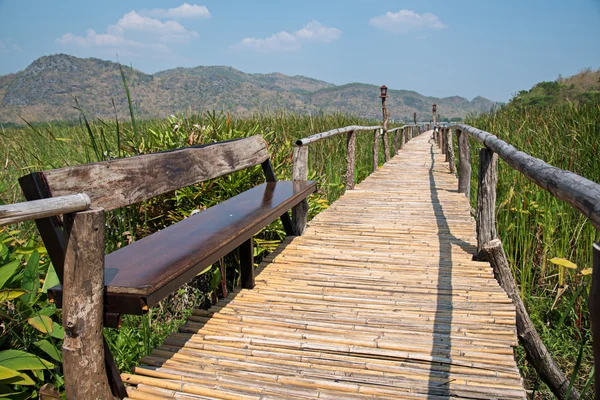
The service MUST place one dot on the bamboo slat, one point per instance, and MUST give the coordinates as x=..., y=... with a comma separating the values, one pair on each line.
x=378, y=299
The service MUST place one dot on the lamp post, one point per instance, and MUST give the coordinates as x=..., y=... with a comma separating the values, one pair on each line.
x=386, y=115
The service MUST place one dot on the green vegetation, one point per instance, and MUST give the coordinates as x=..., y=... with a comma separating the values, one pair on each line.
x=580, y=88
x=26, y=272
x=537, y=230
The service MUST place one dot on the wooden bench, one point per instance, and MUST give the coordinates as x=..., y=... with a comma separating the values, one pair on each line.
x=138, y=276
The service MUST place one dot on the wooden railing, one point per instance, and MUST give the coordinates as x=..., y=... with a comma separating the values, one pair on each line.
x=581, y=193
x=300, y=156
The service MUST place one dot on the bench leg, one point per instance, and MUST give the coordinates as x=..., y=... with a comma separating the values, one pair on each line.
x=246, y=250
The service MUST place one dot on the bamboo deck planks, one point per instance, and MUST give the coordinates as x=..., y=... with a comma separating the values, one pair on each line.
x=379, y=299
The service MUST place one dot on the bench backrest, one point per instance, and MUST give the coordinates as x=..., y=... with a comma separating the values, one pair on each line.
x=122, y=182
x=125, y=181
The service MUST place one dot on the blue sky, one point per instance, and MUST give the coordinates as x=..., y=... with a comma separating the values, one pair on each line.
x=438, y=48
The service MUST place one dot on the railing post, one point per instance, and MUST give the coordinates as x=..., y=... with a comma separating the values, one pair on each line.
x=403, y=137
x=594, y=307
x=396, y=142
x=375, y=149
x=83, y=307
x=450, y=151
x=486, y=199
x=350, y=159
x=386, y=147
x=300, y=173
x=443, y=140
x=464, y=164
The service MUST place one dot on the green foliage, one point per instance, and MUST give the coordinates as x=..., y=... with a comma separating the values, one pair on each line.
x=547, y=242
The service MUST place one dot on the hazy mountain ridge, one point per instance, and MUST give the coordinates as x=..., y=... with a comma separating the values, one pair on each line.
x=46, y=90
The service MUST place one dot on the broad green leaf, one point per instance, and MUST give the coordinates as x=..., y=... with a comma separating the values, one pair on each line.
x=10, y=294
x=3, y=251
x=31, y=277
x=42, y=323
x=563, y=262
x=586, y=271
x=51, y=279
x=58, y=331
x=6, y=373
x=49, y=349
x=21, y=379
x=8, y=270
x=20, y=360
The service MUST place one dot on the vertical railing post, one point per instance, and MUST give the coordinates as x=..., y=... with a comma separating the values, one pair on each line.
x=384, y=110
x=486, y=199
x=84, y=365
x=350, y=159
x=464, y=164
x=594, y=307
x=375, y=149
x=300, y=173
x=450, y=151
x=396, y=148
x=443, y=139
x=403, y=137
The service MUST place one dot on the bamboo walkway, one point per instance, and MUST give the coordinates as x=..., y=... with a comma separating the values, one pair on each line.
x=379, y=299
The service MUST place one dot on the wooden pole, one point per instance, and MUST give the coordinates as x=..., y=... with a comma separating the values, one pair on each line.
x=396, y=148
x=464, y=164
x=35, y=209
x=350, y=159
x=594, y=306
x=300, y=173
x=450, y=152
x=375, y=149
x=446, y=133
x=386, y=147
x=403, y=137
x=537, y=354
x=83, y=307
x=486, y=199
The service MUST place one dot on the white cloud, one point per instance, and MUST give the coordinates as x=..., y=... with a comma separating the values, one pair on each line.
x=169, y=31
x=7, y=46
x=184, y=11
x=314, y=30
x=285, y=41
x=406, y=20
x=134, y=33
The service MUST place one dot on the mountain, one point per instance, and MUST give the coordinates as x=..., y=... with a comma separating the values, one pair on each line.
x=581, y=87
x=52, y=86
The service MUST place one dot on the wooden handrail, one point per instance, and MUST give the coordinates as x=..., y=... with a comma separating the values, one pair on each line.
x=334, y=132
x=44, y=208
x=581, y=193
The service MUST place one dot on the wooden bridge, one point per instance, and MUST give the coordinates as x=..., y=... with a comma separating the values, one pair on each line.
x=379, y=298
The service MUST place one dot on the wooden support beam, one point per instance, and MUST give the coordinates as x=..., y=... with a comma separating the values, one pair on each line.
x=350, y=159
x=246, y=252
x=44, y=208
x=594, y=306
x=83, y=307
x=537, y=354
x=464, y=164
x=450, y=152
x=300, y=173
x=375, y=149
x=486, y=199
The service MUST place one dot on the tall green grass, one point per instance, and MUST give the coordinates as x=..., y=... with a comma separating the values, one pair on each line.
x=35, y=147
x=535, y=227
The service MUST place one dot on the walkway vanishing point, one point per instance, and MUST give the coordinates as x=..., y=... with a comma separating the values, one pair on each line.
x=379, y=298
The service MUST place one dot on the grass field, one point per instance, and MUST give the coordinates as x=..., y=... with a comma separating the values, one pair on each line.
x=534, y=227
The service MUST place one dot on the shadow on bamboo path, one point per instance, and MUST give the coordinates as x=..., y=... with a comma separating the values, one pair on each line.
x=379, y=298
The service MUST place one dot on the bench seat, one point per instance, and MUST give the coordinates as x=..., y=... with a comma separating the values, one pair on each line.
x=141, y=274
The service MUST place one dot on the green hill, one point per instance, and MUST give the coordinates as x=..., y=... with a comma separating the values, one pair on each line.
x=46, y=90
x=581, y=87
